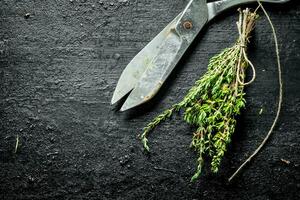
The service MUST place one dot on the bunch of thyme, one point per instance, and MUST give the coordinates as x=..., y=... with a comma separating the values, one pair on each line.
x=212, y=104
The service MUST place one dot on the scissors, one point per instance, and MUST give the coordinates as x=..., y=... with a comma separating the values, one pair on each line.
x=148, y=70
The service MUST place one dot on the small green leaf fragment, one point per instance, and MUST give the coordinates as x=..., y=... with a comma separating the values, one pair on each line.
x=17, y=144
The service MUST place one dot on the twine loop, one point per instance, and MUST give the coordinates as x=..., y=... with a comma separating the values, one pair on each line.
x=243, y=30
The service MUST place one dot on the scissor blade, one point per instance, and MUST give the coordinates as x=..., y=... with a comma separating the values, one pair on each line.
x=152, y=79
x=170, y=51
x=134, y=70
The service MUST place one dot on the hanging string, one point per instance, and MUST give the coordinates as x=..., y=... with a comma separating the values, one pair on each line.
x=280, y=95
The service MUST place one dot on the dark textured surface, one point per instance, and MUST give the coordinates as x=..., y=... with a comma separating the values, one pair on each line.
x=58, y=68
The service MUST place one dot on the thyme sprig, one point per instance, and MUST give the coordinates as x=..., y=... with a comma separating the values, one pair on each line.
x=212, y=104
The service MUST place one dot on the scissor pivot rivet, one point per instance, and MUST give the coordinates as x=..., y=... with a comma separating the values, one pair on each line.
x=188, y=25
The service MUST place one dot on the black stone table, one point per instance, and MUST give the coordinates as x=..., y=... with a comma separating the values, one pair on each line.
x=59, y=64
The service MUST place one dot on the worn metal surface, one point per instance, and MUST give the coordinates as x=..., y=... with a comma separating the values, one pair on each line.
x=138, y=65
x=169, y=52
x=215, y=8
x=59, y=64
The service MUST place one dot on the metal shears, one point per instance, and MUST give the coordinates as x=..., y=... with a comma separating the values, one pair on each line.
x=148, y=70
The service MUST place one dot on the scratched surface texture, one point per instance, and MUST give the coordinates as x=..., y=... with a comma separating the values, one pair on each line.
x=59, y=64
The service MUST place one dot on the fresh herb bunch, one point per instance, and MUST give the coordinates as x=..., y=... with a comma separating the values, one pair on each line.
x=212, y=104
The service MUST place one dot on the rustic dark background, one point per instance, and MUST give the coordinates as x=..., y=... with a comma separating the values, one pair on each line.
x=59, y=64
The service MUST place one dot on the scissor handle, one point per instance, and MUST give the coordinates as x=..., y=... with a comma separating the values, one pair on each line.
x=222, y=5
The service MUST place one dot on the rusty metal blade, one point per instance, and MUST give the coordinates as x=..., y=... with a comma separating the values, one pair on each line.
x=170, y=51
x=134, y=70
x=152, y=79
